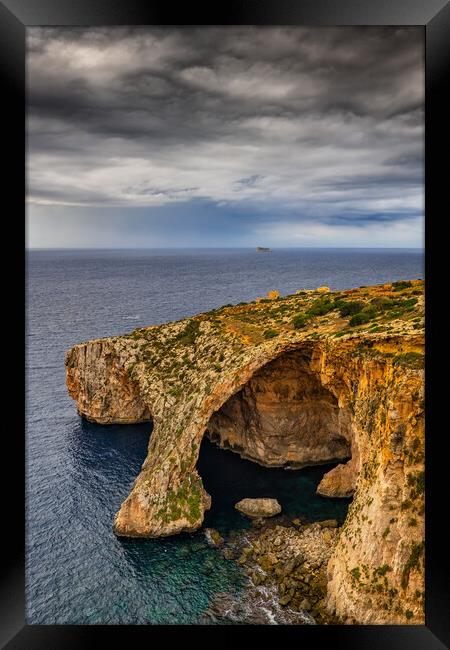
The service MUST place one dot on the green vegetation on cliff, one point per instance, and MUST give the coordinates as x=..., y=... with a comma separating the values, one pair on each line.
x=392, y=308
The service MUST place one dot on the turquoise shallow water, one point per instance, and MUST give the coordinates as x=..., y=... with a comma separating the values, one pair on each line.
x=78, y=473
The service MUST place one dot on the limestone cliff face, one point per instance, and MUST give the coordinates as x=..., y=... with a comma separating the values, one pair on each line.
x=376, y=572
x=97, y=379
x=283, y=396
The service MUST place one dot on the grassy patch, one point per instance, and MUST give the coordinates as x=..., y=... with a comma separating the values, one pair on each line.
x=190, y=333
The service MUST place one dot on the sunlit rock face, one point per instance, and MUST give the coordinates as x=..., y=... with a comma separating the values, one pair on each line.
x=284, y=416
x=97, y=379
x=340, y=481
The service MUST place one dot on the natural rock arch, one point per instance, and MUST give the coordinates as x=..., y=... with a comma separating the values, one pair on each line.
x=168, y=496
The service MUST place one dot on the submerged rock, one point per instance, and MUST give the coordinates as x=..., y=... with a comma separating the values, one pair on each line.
x=213, y=537
x=258, y=522
x=229, y=554
x=255, y=605
x=257, y=508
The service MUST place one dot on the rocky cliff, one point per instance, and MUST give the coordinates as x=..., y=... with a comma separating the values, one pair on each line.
x=309, y=378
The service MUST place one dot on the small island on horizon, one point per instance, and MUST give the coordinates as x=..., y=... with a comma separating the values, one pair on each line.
x=263, y=249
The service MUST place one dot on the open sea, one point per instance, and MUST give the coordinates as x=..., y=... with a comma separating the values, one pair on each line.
x=78, y=473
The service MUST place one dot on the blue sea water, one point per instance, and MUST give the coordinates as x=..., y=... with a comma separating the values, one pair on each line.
x=78, y=473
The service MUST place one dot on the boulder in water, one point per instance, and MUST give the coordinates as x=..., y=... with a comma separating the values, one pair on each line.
x=257, y=508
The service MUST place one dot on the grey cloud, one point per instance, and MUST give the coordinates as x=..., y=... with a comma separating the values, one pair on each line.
x=305, y=120
x=250, y=181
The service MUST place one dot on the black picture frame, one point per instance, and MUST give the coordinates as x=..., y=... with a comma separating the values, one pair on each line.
x=434, y=16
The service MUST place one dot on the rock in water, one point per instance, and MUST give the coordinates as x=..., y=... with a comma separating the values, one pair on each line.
x=213, y=537
x=256, y=508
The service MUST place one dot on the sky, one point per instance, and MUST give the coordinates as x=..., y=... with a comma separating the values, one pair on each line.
x=225, y=136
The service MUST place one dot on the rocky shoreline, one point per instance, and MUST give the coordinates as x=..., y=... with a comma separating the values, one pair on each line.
x=286, y=564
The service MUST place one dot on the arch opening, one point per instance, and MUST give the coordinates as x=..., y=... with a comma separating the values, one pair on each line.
x=285, y=417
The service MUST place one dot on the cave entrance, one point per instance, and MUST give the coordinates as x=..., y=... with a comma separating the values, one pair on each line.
x=282, y=418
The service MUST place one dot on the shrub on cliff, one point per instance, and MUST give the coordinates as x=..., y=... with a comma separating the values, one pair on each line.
x=190, y=333
x=364, y=316
x=273, y=295
x=299, y=321
x=338, y=303
x=382, y=303
x=413, y=563
x=401, y=284
x=351, y=308
x=270, y=334
x=359, y=319
x=409, y=302
x=414, y=360
x=370, y=311
x=320, y=306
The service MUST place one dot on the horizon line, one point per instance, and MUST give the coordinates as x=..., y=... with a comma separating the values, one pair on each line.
x=143, y=248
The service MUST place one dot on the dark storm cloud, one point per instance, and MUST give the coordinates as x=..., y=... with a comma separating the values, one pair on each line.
x=310, y=124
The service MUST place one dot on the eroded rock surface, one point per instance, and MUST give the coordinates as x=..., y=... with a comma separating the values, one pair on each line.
x=340, y=481
x=97, y=379
x=284, y=416
x=257, y=508
x=283, y=396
